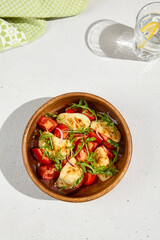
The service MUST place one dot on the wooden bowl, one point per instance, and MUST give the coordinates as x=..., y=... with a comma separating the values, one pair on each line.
x=99, y=188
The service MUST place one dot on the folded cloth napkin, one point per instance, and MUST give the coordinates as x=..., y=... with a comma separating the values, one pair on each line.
x=22, y=21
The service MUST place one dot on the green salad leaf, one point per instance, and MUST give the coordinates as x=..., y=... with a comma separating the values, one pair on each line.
x=109, y=122
x=84, y=105
x=78, y=181
x=50, y=115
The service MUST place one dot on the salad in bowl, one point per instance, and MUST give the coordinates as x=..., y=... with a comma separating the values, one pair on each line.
x=75, y=147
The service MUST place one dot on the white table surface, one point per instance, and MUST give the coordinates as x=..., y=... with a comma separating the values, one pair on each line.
x=57, y=63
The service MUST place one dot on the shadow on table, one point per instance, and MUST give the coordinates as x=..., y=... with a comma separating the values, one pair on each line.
x=11, y=162
x=107, y=38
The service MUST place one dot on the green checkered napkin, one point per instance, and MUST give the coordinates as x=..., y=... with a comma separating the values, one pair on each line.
x=21, y=21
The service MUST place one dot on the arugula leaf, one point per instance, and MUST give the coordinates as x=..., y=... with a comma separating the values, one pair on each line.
x=72, y=139
x=49, y=146
x=113, y=170
x=108, y=171
x=78, y=181
x=82, y=130
x=100, y=170
x=60, y=189
x=85, y=165
x=83, y=142
x=115, y=145
x=109, y=122
x=57, y=160
x=90, y=155
x=50, y=115
x=47, y=140
x=84, y=105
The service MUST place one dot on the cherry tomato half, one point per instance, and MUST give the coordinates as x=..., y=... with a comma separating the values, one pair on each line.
x=38, y=155
x=92, y=146
x=47, y=124
x=106, y=144
x=77, y=137
x=64, y=129
x=89, y=179
x=93, y=134
x=48, y=172
x=70, y=111
x=82, y=155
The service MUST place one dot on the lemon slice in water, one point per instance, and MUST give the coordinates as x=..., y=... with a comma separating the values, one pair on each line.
x=149, y=30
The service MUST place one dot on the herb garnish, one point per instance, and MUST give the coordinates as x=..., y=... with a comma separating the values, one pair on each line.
x=62, y=188
x=50, y=115
x=49, y=146
x=108, y=171
x=78, y=181
x=115, y=145
x=83, y=142
x=83, y=130
x=105, y=118
x=84, y=105
x=47, y=139
x=85, y=165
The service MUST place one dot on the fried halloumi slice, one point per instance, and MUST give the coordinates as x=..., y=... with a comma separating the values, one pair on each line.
x=73, y=120
x=59, y=147
x=69, y=174
x=101, y=159
x=103, y=177
x=108, y=131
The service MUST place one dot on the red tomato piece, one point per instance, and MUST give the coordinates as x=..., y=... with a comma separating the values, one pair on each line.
x=93, y=134
x=48, y=172
x=77, y=137
x=106, y=144
x=89, y=179
x=63, y=128
x=109, y=154
x=70, y=111
x=88, y=114
x=80, y=184
x=64, y=162
x=82, y=155
x=92, y=146
x=47, y=124
x=38, y=154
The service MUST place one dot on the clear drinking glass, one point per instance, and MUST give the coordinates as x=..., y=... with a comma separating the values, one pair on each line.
x=147, y=32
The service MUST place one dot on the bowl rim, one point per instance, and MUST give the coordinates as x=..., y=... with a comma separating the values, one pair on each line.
x=65, y=197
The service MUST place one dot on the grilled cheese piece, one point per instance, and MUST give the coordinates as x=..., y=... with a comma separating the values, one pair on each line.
x=73, y=121
x=58, y=147
x=101, y=159
x=103, y=177
x=69, y=175
x=108, y=131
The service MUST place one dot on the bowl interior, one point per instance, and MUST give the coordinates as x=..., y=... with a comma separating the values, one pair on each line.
x=88, y=192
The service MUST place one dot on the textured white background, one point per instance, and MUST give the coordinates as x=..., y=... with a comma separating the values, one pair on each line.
x=60, y=62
